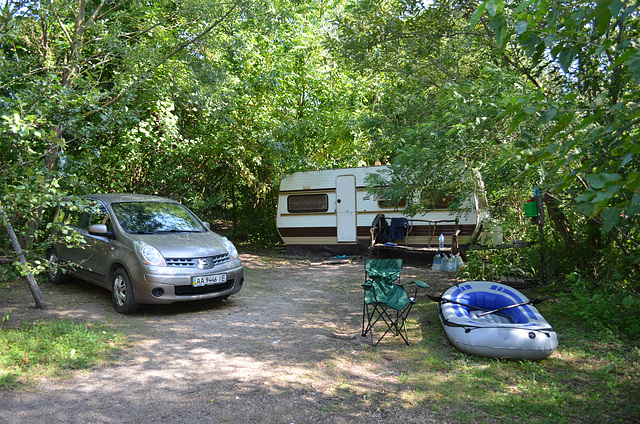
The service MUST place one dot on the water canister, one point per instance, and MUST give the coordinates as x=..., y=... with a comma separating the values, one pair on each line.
x=444, y=266
x=453, y=264
x=437, y=262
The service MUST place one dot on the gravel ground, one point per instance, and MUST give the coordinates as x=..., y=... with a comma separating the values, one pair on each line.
x=286, y=349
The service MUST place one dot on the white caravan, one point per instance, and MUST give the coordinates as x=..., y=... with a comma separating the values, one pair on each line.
x=330, y=212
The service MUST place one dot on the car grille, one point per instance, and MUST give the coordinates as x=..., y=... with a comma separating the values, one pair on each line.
x=191, y=291
x=193, y=262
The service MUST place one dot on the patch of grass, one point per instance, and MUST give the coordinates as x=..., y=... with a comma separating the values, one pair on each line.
x=592, y=377
x=53, y=349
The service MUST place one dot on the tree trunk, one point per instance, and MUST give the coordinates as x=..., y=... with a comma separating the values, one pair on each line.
x=233, y=209
x=31, y=281
x=560, y=221
x=482, y=206
x=541, y=222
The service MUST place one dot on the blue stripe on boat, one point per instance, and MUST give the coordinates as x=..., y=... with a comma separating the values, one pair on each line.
x=492, y=300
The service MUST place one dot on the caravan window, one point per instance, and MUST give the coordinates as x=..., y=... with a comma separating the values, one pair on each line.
x=388, y=204
x=436, y=200
x=308, y=203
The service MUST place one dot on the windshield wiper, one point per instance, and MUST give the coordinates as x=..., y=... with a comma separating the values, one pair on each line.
x=178, y=231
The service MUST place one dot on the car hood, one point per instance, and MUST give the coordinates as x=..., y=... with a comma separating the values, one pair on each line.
x=185, y=245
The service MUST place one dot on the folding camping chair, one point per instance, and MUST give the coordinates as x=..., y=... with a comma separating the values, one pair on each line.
x=386, y=300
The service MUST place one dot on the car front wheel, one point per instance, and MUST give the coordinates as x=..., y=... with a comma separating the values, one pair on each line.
x=55, y=273
x=122, y=293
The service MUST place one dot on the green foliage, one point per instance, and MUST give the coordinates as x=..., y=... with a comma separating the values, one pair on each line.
x=211, y=103
x=8, y=273
x=434, y=101
x=52, y=349
x=53, y=82
x=543, y=93
x=492, y=265
x=594, y=285
x=606, y=308
x=587, y=99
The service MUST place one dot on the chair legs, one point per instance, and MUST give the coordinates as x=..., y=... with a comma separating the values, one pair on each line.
x=395, y=321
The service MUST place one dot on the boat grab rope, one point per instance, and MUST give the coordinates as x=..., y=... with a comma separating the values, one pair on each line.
x=468, y=328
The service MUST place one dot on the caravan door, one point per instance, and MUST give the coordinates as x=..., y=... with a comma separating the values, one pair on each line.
x=346, y=208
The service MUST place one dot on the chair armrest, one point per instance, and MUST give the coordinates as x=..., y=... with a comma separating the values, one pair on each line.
x=421, y=284
x=417, y=283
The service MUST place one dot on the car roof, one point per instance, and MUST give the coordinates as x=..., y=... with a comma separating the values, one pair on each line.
x=128, y=197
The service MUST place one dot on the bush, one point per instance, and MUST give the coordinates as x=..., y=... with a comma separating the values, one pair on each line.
x=493, y=264
x=606, y=307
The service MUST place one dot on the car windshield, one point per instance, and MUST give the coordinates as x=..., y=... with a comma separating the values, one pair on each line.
x=155, y=217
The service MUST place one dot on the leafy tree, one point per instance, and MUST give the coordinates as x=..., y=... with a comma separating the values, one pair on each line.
x=587, y=108
x=257, y=98
x=438, y=94
x=205, y=101
x=533, y=93
x=69, y=81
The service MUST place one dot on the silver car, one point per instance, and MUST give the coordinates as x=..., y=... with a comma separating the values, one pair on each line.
x=144, y=249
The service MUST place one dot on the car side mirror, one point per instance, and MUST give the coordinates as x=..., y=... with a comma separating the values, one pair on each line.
x=100, y=230
x=207, y=225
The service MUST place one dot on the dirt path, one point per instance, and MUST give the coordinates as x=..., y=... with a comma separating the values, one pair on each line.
x=286, y=349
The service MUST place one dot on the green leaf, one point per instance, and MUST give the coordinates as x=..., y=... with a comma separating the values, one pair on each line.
x=494, y=7
x=623, y=58
x=615, y=7
x=501, y=33
x=586, y=196
x=599, y=181
x=517, y=120
x=475, y=17
x=565, y=57
x=633, y=183
x=523, y=6
x=549, y=39
x=632, y=148
x=549, y=115
x=610, y=217
x=530, y=42
x=608, y=193
x=521, y=27
x=624, y=161
x=633, y=63
x=603, y=15
x=632, y=210
x=606, y=44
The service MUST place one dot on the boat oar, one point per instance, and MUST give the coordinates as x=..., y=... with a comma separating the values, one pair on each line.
x=493, y=311
x=442, y=299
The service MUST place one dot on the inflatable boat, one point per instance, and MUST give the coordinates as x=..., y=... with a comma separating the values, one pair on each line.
x=494, y=320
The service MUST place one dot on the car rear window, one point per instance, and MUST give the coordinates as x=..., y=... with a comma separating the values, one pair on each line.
x=155, y=217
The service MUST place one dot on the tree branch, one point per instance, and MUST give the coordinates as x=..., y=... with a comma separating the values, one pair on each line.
x=162, y=61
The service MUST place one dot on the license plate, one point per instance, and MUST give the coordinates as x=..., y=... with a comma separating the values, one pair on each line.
x=207, y=280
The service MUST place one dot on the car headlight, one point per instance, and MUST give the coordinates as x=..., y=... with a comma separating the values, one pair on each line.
x=148, y=254
x=233, y=252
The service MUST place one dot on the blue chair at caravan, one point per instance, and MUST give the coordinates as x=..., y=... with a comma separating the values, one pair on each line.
x=386, y=301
